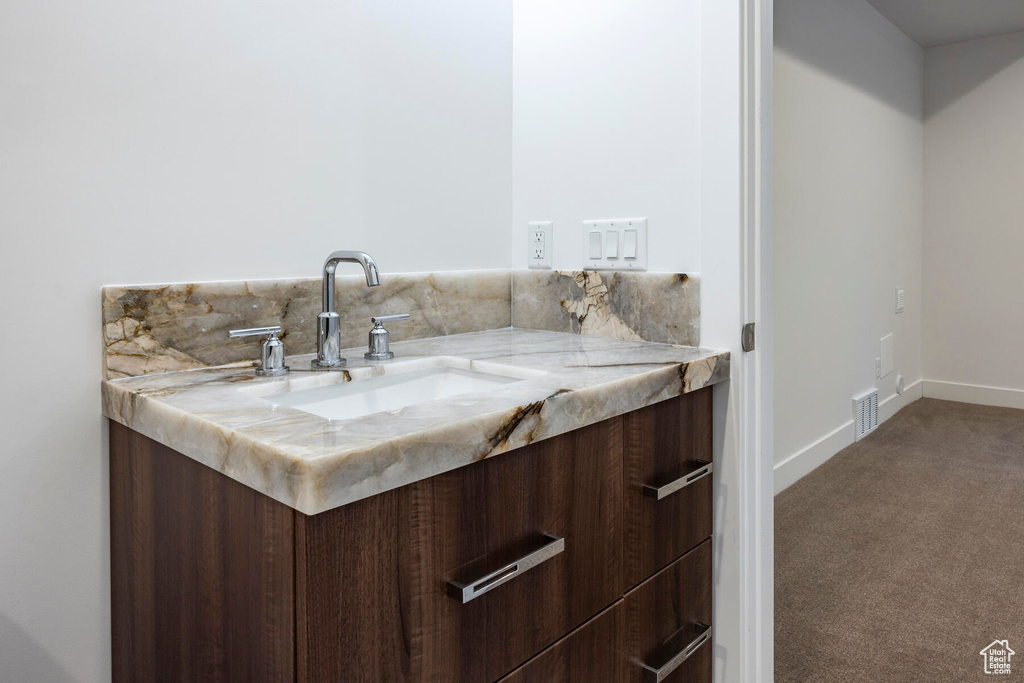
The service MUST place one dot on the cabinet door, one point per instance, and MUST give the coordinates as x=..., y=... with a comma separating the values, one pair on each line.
x=462, y=577
x=202, y=583
x=668, y=623
x=668, y=492
x=590, y=654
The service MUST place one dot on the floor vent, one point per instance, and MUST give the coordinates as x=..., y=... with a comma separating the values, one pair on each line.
x=865, y=414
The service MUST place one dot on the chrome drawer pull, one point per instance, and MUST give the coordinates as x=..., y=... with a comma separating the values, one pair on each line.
x=652, y=675
x=659, y=492
x=464, y=592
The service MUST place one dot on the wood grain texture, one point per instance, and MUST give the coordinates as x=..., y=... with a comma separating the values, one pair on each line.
x=376, y=607
x=351, y=603
x=201, y=571
x=663, y=442
x=212, y=581
x=661, y=614
x=590, y=654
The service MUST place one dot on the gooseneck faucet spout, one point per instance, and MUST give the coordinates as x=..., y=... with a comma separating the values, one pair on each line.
x=328, y=338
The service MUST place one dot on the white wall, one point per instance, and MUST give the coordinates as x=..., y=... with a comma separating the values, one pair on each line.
x=146, y=142
x=974, y=210
x=848, y=219
x=607, y=123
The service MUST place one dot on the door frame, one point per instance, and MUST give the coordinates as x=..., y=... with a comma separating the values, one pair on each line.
x=736, y=288
x=756, y=442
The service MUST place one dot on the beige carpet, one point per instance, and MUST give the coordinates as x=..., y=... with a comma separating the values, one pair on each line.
x=903, y=556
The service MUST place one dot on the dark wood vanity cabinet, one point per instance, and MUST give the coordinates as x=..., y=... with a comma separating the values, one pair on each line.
x=554, y=562
x=667, y=616
x=640, y=634
x=464, y=525
x=666, y=445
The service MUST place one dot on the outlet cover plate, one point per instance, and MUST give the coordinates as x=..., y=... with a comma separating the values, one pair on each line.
x=538, y=243
x=615, y=229
x=885, y=355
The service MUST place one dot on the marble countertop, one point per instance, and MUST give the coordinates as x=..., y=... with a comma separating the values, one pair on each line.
x=218, y=416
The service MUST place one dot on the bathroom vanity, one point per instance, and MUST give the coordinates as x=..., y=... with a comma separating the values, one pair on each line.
x=550, y=524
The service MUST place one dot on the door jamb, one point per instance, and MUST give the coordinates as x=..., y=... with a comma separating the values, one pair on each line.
x=756, y=434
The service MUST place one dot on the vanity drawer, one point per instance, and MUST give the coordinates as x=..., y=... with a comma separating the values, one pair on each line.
x=470, y=573
x=668, y=482
x=668, y=623
x=590, y=654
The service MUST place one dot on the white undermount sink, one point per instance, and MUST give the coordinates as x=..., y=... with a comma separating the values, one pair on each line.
x=401, y=385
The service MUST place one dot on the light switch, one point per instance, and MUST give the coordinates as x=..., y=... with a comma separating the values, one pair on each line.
x=611, y=244
x=629, y=246
x=615, y=244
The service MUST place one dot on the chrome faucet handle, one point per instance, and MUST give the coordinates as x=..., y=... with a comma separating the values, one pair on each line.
x=255, y=332
x=378, y=319
x=380, y=343
x=272, y=351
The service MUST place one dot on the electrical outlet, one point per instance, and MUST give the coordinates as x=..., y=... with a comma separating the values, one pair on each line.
x=901, y=300
x=878, y=368
x=538, y=243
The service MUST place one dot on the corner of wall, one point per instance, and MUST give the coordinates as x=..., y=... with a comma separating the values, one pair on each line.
x=805, y=461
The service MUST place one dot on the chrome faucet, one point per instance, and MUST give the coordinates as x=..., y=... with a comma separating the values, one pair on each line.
x=328, y=338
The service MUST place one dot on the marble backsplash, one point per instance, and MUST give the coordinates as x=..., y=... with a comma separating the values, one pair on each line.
x=653, y=307
x=161, y=328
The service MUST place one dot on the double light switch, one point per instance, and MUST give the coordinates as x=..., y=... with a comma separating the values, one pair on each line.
x=615, y=244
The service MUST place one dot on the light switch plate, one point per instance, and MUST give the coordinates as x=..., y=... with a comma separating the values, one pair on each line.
x=901, y=299
x=622, y=231
x=538, y=244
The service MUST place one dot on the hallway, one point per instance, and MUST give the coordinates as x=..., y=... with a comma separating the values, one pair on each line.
x=903, y=556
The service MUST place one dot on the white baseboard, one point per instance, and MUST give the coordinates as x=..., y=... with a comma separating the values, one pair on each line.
x=898, y=402
x=972, y=393
x=802, y=463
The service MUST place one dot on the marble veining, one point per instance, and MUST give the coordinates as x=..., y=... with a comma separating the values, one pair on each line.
x=218, y=416
x=164, y=328
x=654, y=307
